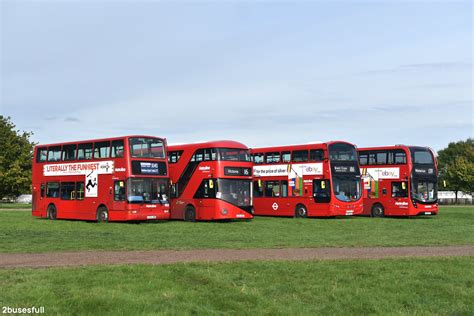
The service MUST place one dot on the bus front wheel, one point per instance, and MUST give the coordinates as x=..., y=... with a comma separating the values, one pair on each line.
x=301, y=211
x=52, y=213
x=190, y=214
x=102, y=215
x=377, y=211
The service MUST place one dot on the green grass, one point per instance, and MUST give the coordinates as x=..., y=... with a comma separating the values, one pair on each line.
x=15, y=206
x=442, y=286
x=20, y=232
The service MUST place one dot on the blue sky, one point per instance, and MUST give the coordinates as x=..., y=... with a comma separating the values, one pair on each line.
x=264, y=73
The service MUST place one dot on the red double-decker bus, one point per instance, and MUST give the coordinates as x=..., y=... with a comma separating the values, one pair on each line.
x=399, y=181
x=210, y=181
x=321, y=179
x=113, y=179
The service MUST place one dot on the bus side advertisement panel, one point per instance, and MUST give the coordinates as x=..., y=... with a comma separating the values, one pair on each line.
x=298, y=169
x=90, y=170
x=293, y=172
x=371, y=177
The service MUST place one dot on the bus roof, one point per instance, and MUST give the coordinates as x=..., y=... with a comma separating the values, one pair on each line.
x=398, y=146
x=209, y=144
x=406, y=148
x=299, y=146
x=97, y=140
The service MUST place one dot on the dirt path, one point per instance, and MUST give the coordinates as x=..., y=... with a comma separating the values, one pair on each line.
x=56, y=259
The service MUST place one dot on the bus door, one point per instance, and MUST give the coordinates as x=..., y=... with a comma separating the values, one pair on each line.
x=206, y=199
x=384, y=194
x=321, y=191
x=39, y=195
x=119, y=195
x=398, y=198
x=176, y=204
x=285, y=204
x=68, y=205
x=272, y=203
x=257, y=195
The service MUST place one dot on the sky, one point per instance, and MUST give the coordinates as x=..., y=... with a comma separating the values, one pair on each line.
x=264, y=73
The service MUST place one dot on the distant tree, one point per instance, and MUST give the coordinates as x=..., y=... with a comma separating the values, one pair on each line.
x=16, y=151
x=456, y=166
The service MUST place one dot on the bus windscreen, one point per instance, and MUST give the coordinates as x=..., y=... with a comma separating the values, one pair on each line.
x=421, y=156
x=342, y=152
x=146, y=147
x=230, y=154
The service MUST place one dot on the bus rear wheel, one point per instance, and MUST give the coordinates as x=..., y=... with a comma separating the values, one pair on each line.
x=190, y=214
x=52, y=213
x=102, y=215
x=301, y=211
x=377, y=211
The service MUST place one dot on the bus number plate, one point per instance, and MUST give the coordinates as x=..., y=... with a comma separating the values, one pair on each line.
x=151, y=217
x=427, y=213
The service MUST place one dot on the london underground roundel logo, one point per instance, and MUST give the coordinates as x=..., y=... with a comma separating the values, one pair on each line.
x=275, y=206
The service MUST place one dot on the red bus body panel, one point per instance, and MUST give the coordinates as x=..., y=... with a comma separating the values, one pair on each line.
x=207, y=209
x=378, y=189
x=86, y=208
x=285, y=206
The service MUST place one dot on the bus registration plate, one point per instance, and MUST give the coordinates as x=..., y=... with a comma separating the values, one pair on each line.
x=151, y=217
x=427, y=213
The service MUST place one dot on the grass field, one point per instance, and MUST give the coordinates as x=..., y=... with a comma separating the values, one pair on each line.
x=20, y=232
x=441, y=286
x=12, y=206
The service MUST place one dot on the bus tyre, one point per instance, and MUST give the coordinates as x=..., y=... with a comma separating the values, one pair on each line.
x=301, y=211
x=190, y=214
x=377, y=211
x=52, y=213
x=102, y=215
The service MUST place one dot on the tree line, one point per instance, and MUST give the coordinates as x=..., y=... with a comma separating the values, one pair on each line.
x=455, y=162
x=16, y=153
x=456, y=167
